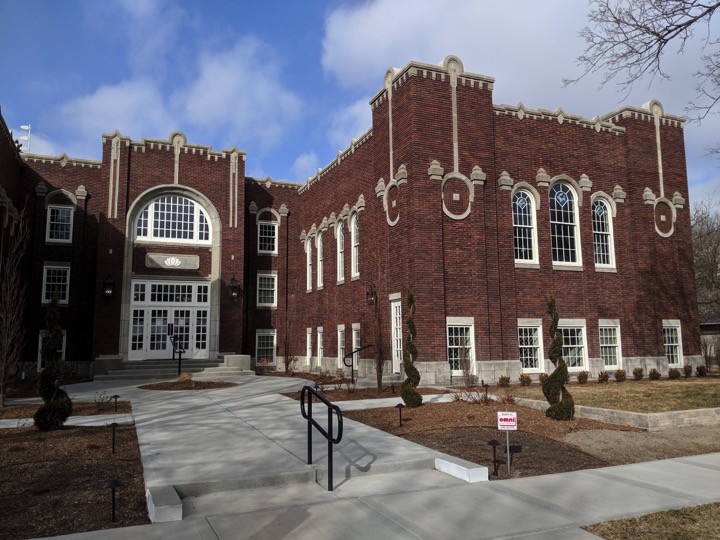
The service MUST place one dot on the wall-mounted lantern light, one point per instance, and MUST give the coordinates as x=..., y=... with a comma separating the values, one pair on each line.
x=371, y=296
x=108, y=287
x=234, y=288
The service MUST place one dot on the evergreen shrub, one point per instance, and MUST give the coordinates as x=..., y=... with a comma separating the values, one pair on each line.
x=525, y=379
x=687, y=371
x=620, y=375
x=638, y=373
x=603, y=377
x=582, y=377
x=701, y=370
x=654, y=374
x=673, y=373
x=504, y=381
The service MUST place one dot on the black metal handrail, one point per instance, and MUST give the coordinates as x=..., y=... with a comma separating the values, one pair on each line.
x=351, y=365
x=307, y=393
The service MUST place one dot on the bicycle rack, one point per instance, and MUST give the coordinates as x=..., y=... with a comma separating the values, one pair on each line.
x=310, y=392
x=351, y=365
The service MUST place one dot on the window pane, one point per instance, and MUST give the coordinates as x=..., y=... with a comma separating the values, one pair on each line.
x=573, y=347
x=266, y=290
x=56, y=284
x=523, y=227
x=601, y=232
x=562, y=224
x=59, y=223
x=609, y=346
x=265, y=350
x=458, y=346
x=671, y=339
x=529, y=347
x=267, y=237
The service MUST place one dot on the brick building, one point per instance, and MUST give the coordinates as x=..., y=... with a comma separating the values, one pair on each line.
x=482, y=210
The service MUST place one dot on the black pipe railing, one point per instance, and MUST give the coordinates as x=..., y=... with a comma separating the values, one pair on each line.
x=307, y=394
x=351, y=365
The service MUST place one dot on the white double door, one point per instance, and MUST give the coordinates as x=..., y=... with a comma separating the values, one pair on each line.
x=155, y=305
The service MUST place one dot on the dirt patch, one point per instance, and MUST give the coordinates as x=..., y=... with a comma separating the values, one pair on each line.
x=53, y=483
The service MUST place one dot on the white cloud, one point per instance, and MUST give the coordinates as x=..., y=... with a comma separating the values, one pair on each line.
x=350, y=123
x=42, y=144
x=135, y=108
x=305, y=166
x=238, y=91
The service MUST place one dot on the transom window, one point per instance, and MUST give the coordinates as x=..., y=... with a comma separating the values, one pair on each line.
x=267, y=290
x=524, y=237
x=56, y=282
x=602, y=234
x=267, y=237
x=173, y=218
x=563, y=224
x=59, y=224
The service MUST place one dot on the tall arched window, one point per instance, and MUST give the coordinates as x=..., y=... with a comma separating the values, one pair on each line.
x=355, y=241
x=309, y=264
x=524, y=234
x=602, y=233
x=564, y=235
x=340, y=237
x=173, y=219
x=319, y=260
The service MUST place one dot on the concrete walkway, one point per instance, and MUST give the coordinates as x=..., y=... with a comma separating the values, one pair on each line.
x=235, y=462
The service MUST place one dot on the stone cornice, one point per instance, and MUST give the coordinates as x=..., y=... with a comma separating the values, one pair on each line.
x=558, y=115
x=175, y=138
x=63, y=160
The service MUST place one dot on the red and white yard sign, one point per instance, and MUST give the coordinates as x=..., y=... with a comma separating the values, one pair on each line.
x=507, y=421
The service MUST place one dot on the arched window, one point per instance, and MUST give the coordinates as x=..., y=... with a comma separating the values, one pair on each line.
x=173, y=219
x=319, y=260
x=524, y=234
x=564, y=235
x=602, y=233
x=309, y=264
x=355, y=241
x=340, y=237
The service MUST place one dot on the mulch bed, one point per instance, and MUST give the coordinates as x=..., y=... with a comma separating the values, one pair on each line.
x=188, y=385
x=79, y=409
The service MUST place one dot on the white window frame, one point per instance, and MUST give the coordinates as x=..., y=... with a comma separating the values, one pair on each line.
x=150, y=236
x=274, y=225
x=59, y=208
x=320, y=347
x=532, y=210
x=260, y=276
x=610, y=324
x=460, y=322
x=308, y=265
x=355, y=243
x=536, y=326
x=575, y=227
x=674, y=326
x=396, y=331
x=341, y=345
x=309, y=347
x=356, y=343
x=575, y=324
x=266, y=332
x=608, y=236
x=41, y=335
x=320, y=266
x=46, y=299
x=340, y=244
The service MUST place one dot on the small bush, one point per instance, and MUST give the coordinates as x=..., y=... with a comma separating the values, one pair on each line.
x=687, y=371
x=673, y=373
x=543, y=378
x=620, y=375
x=184, y=377
x=504, y=381
x=701, y=370
x=638, y=373
x=603, y=377
x=582, y=377
x=654, y=374
x=525, y=379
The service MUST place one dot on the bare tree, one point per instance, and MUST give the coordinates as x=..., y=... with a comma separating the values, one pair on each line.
x=706, y=247
x=626, y=41
x=12, y=304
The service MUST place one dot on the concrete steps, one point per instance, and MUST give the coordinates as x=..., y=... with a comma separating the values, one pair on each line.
x=168, y=369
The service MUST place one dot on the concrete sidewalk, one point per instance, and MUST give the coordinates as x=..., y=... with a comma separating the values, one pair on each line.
x=235, y=458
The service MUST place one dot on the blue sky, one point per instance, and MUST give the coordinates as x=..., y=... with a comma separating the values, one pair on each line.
x=289, y=81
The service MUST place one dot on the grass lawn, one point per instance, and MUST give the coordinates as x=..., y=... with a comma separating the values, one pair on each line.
x=644, y=396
